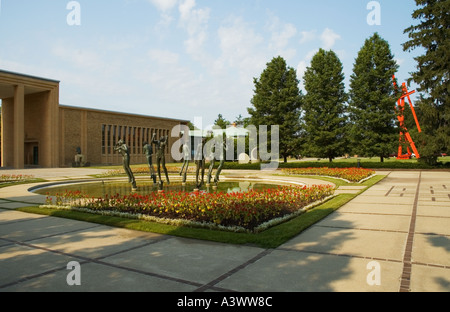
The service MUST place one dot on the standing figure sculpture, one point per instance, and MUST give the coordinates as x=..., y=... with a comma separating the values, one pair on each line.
x=218, y=151
x=200, y=163
x=223, y=151
x=148, y=151
x=212, y=161
x=186, y=159
x=160, y=157
x=122, y=148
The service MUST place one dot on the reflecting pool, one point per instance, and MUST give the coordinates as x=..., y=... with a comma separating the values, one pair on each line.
x=102, y=188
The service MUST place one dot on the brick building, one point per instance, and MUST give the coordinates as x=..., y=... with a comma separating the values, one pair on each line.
x=37, y=131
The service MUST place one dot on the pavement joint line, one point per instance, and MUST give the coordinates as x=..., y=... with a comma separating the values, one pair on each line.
x=62, y=233
x=441, y=266
x=390, y=190
x=433, y=234
x=154, y=241
x=20, y=221
x=405, y=286
x=359, y=229
x=338, y=254
x=92, y=260
x=31, y=277
x=375, y=213
x=8, y=243
x=211, y=284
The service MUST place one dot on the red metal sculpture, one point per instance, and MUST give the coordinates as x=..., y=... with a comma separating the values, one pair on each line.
x=405, y=137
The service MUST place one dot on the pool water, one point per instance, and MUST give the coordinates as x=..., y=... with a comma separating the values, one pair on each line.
x=100, y=189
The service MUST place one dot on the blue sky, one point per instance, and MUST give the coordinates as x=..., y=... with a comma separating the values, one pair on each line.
x=185, y=58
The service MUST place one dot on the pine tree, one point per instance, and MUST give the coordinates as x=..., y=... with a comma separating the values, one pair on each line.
x=221, y=122
x=324, y=107
x=372, y=100
x=432, y=75
x=277, y=102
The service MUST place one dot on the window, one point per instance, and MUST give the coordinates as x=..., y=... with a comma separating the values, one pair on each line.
x=103, y=139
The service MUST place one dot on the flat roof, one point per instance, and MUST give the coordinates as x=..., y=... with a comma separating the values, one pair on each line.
x=120, y=113
x=27, y=76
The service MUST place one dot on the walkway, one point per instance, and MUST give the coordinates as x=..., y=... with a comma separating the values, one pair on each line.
x=394, y=237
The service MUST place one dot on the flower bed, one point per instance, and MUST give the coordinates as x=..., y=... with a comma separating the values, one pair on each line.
x=5, y=178
x=348, y=174
x=233, y=210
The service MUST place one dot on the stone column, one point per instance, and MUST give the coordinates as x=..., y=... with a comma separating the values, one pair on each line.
x=19, y=132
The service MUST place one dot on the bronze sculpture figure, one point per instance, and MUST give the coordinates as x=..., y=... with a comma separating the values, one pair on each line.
x=160, y=157
x=148, y=151
x=122, y=148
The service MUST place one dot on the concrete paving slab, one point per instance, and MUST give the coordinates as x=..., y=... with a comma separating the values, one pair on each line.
x=431, y=249
x=352, y=187
x=55, y=173
x=339, y=192
x=193, y=260
x=97, y=241
x=293, y=271
x=430, y=279
x=100, y=278
x=36, y=228
x=436, y=203
x=367, y=222
x=344, y=241
x=433, y=211
x=20, y=262
x=9, y=216
x=433, y=225
x=384, y=209
x=363, y=199
x=14, y=205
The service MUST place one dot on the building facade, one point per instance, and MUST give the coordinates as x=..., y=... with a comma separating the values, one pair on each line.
x=37, y=131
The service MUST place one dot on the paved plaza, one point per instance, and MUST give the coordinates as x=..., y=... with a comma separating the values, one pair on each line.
x=394, y=237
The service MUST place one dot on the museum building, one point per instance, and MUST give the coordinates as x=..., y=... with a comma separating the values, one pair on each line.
x=37, y=131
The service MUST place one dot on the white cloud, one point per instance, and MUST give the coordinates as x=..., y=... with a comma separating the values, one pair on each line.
x=281, y=32
x=307, y=36
x=78, y=57
x=301, y=69
x=163, y=56
x=400, y=61
x=241, y=49
x=164, y=5
x=329, y=38
x=195, y=22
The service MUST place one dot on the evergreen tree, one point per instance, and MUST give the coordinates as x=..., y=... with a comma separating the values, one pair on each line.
x=277, y=102
x=221, y=122
x=372, y=100
x=324, y=107
x=432, y=75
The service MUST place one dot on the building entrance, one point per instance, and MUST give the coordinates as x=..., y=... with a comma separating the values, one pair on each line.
x=32, y=154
